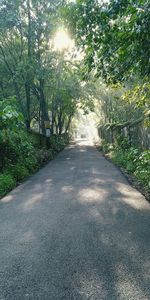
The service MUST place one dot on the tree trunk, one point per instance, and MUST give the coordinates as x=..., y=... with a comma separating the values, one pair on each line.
x=28, y=102
x=68, y=124
x=43, y=106
x=27, y=83
x=53, y=122
x=60, y=122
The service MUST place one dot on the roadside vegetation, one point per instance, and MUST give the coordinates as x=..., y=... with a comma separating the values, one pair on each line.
x=133, y=160
x=40, y=88
x=23, y=152
x=114, y=36
x=124, y=131
x=47, y=77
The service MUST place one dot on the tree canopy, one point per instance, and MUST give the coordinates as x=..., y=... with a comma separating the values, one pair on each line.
x=114, y=35
x=44, y=81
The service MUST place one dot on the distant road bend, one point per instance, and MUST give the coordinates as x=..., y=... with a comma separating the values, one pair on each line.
x=76, y=230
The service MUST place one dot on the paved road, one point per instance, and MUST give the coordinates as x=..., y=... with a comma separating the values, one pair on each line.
x=76, y=230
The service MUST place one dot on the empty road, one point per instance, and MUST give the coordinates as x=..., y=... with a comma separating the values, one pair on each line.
x=76, y=230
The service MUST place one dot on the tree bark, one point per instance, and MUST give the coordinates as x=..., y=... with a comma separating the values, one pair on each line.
x=68, y=124
x=27, y=83
x=43, y=106
x=28, y=103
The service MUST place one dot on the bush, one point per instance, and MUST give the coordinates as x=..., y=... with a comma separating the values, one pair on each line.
x=119, y=157
x=142, y=171
x=57, y=143
x=18, y=171
x=7, y=183
x=131, y=159
x=43, y=155
x=14, y=146
x=31, y=163
x=106, y=147
x=22, y=154
x=122, y=142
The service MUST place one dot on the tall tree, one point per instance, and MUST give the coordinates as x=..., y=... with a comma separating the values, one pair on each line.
x=114, y=36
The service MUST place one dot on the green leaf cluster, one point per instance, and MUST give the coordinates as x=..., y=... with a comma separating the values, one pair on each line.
x=114, y=36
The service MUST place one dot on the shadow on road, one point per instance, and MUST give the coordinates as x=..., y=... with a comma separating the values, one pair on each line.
x=75, y=230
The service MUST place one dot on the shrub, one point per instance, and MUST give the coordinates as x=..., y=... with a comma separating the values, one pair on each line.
x=30, y=163
x=22, y=154
x=43, y=155
x=119, y=157
x=122, y=142
x=142, y=171
x=15, y=146
x=132, y=156
x=57, y=143
x=18, y=171
x=7, y=182
x=131, y=159
x=106, y=147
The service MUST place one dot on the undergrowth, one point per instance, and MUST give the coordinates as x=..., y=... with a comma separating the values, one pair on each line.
x=22, y=154
x=134, y=161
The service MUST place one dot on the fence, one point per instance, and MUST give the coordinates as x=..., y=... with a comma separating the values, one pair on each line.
x=135, y=131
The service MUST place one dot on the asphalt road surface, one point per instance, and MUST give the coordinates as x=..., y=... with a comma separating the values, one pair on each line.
x=76, y=230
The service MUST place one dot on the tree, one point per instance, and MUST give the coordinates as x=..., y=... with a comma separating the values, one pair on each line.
x=26, y=28
x=114, y=36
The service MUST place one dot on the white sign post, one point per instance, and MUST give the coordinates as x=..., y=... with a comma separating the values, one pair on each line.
x=48, y=132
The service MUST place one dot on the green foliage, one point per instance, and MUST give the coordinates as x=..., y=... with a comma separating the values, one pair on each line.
x=126, y=158
x=14, y=146
x=114, y=36
x=125, y=155
x=10, y=119
x=122, y=142
x=142, y=171
x=31, y=163
x=106, y=147
x=134, y=161
x=18, y=172
x=44, y=155
x=138, y=95
x=58, y=143
x=22, y=154
x=41, y=79
x=7, y=182
x=120, y=157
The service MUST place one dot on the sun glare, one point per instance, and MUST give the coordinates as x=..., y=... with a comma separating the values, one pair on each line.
x=62, y=41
